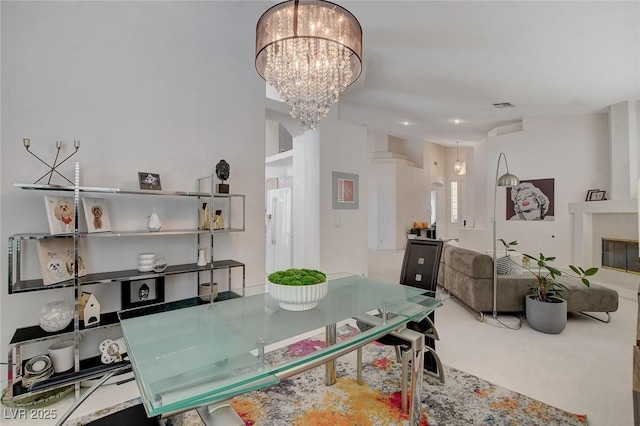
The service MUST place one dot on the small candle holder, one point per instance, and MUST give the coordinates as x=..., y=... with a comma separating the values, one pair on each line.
x=26, y=142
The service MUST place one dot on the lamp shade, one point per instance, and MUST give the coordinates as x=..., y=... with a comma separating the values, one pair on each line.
x=508, y=179
x=310, y=51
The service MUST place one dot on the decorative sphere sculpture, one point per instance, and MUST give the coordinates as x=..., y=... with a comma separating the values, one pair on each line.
x=222, y=170
x=55, y=316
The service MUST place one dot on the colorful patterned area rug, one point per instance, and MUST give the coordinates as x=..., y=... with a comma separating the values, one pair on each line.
x=304, y=400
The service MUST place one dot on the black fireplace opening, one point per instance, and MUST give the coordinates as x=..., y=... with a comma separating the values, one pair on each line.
x=621, y=255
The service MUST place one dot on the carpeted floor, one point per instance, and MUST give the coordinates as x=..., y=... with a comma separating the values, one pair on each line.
x=304, y=400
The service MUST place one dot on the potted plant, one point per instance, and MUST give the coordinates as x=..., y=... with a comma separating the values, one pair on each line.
x=298, y=289
x=545, y=310
x=504, y=266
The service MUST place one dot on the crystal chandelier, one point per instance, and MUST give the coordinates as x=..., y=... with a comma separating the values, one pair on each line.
x=309, y=51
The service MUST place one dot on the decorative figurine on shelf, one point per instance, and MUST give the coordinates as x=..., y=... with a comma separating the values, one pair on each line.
x=113, y=350
x=202, y=257
x=222, y=171
x=218, y=220
x=89, y=309
x=153, y=222
x=205, y=220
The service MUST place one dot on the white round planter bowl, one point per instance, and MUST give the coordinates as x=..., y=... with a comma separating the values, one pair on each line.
x=298, y=297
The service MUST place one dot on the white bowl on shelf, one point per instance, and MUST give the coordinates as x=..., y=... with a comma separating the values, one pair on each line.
x=147, y=256
x=148, y=268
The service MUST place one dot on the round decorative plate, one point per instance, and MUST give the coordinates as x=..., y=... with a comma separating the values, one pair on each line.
x=34, y=401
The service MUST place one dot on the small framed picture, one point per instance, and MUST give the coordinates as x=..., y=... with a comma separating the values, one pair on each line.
x=142, y=292
x=149, y=180
x=61, y=214
x=57, y=260
x=596, y=195
x=345, y=191
x=96, y=213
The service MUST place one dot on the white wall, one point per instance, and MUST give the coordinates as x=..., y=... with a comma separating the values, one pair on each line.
x=386, y=210
x=413, y=199
x=343, y=232
x=306, y=201
x=571, y=149
x=145, y=86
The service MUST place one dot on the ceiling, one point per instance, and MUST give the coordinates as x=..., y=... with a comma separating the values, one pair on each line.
x=428, y=63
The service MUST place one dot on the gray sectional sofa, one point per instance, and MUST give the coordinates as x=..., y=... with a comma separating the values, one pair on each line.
x=468, y=276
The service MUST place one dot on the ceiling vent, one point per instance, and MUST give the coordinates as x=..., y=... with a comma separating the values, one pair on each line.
x=503, y=105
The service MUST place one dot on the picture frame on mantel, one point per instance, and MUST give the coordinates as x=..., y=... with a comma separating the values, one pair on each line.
x=596, y=195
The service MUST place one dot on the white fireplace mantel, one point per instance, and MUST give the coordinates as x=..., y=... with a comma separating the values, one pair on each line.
x=583, y=223
x=606, y=206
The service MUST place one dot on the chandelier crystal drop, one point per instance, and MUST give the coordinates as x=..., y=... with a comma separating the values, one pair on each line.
x=309, y=51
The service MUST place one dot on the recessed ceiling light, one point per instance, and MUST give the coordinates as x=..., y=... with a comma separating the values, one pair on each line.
x=405, y=123
x=456, y=121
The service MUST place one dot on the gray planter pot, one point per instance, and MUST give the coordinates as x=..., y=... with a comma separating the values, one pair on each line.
x=546, y=317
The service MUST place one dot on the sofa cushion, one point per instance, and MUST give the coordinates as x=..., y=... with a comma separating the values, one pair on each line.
x=594, y=298
x=469, y=262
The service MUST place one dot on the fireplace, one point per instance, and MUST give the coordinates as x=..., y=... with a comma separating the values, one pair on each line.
x=620, y=255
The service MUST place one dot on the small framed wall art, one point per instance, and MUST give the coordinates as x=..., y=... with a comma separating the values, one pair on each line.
x=57, y=260
x=96, y=213
x=596, y=195
x=345, y=191
x=138, y=293
x=60, y=213
x=149, y=180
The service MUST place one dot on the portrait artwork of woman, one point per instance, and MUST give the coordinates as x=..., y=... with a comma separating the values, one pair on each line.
x=531, y=200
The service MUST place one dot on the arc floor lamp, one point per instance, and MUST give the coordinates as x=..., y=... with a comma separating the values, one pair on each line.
x=506, y=180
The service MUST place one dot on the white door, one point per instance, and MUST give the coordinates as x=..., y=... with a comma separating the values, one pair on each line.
x=279, y=253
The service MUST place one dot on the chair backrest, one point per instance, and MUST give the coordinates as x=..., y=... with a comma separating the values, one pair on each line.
x=421, y=263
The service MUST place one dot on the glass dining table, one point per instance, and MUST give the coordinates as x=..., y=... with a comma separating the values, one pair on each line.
x=201, y=355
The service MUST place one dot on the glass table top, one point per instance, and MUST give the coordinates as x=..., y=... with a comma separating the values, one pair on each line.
x=194, y=355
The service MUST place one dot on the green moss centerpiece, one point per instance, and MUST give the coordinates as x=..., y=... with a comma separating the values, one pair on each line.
x=298, y=289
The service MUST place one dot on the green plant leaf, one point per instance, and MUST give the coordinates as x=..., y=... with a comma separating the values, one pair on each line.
x=590, y=272
x=553, y=271
x=586, y=282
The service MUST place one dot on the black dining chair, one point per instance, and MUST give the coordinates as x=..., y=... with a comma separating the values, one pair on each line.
x=420, y=268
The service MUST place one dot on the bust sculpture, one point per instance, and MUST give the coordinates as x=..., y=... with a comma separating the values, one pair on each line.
x=222, y=171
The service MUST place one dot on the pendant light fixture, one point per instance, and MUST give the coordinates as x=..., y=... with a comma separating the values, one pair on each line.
x=309, y=51
x=458, y=166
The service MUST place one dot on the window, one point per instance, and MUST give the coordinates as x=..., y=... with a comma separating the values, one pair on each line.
x=454, y=202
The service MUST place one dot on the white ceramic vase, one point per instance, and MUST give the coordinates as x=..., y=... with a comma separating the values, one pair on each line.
x=153, y=222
